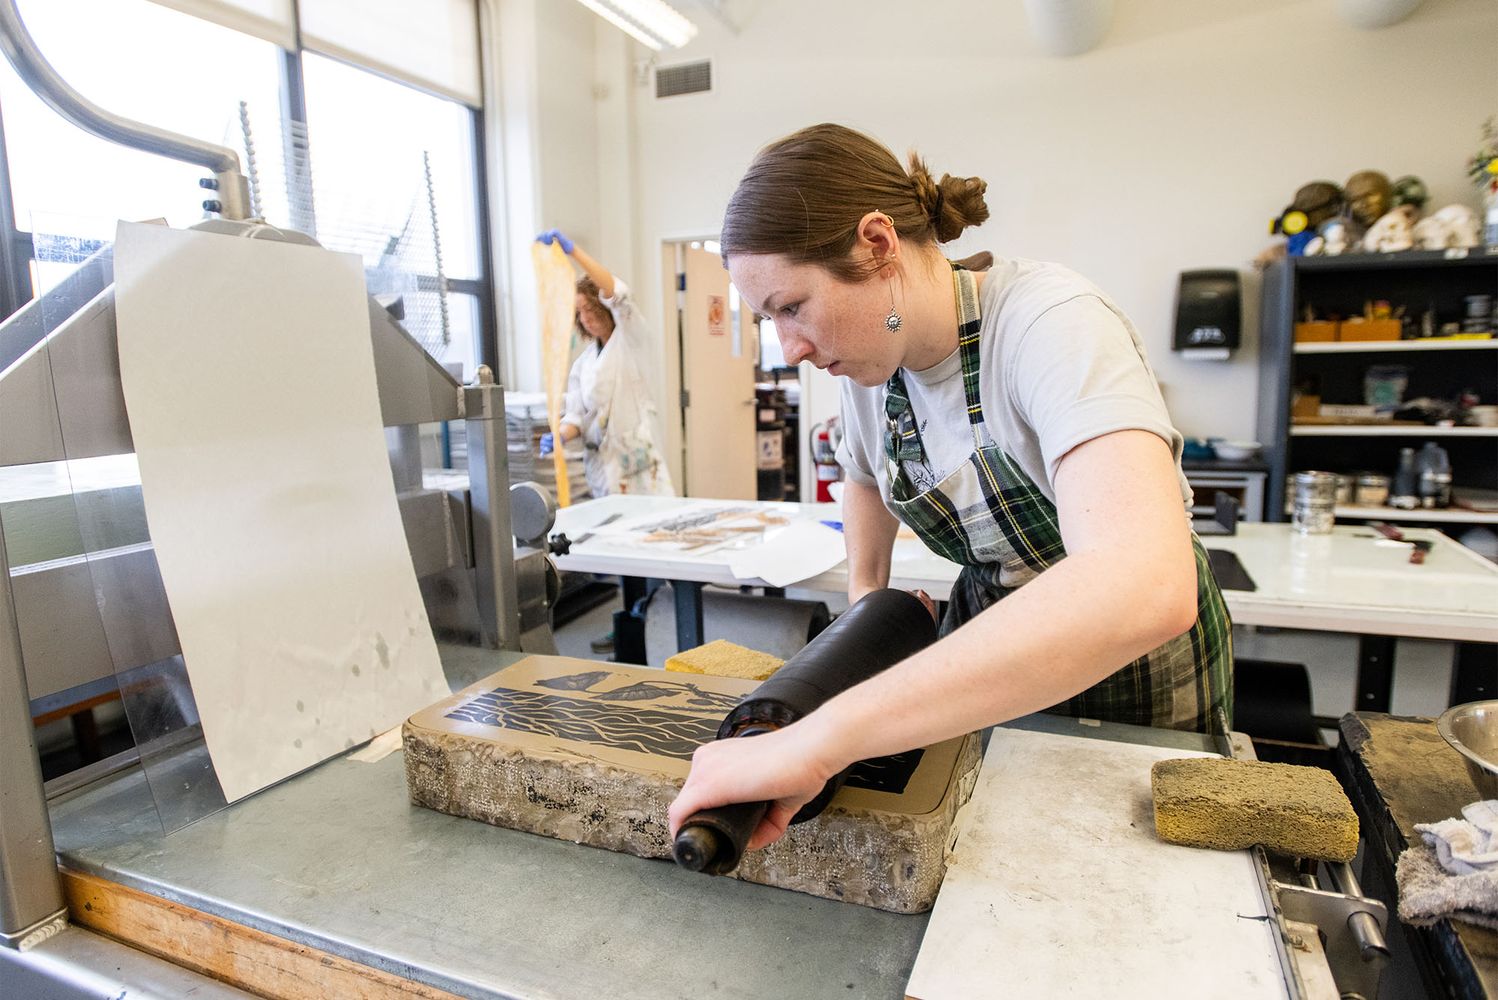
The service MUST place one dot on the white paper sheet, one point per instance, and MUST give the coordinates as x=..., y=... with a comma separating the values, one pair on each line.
x=791, y=554
x=1059, y=887
x=249, y=379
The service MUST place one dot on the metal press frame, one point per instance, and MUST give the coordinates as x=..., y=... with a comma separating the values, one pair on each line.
x=413, y=390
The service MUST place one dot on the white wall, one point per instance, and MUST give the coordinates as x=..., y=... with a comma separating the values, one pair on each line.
x=548, y=142
x=1167, y=148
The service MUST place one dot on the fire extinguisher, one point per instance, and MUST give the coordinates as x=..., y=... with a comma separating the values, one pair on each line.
x=825, y=437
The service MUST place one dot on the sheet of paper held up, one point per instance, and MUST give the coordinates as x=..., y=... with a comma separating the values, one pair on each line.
x=249, y=380
x=557, y=296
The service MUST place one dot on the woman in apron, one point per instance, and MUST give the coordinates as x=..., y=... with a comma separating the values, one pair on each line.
x=1010, y=420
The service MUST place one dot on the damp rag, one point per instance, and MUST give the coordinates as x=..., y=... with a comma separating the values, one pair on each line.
x=1454, y=873
x=1467, y=845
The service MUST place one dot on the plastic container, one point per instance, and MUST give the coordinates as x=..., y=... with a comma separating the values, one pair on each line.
x=1315, y=331
x=1434, y=468
x=1315, y=508
x=1372, y=489
x=1404, y=492
x=1370, y=329
x=1384, y=386
x=1345, y=485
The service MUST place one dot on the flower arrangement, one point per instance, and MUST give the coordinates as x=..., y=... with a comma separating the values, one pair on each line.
x=1483, y=168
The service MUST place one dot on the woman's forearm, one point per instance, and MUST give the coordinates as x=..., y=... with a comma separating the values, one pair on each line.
x=602, y=276
x=869, y=535
x=1035, y=648
x=1127, y=585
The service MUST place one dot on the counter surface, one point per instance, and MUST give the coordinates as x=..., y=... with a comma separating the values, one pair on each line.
x=339, y=859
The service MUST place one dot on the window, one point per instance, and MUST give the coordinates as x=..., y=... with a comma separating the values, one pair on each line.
x=394, y=180
x=145, y=62
x=394, y=170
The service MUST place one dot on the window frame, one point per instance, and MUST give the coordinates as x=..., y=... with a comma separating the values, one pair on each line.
x=18, y=248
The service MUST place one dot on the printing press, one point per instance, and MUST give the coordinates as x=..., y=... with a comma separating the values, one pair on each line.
x=333, y=882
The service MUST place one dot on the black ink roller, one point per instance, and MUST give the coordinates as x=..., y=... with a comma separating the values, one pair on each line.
x=876, y=633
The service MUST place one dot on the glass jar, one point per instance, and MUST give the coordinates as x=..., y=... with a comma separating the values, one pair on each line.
x=1372, y=489
x=1315, y=506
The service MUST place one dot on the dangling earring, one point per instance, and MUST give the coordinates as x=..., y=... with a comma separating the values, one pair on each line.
x=893, y=320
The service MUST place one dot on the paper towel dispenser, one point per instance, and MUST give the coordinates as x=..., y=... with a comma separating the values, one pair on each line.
x=1209, y=314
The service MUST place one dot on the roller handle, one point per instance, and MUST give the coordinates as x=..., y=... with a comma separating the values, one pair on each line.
x=714, y=840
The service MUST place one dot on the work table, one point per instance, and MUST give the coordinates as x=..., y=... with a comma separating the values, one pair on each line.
x=338, y=859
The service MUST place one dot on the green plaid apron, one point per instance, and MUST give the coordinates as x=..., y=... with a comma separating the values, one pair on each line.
x=989, y=517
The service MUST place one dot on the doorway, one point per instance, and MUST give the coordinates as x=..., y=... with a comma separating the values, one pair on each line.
x=717, y=351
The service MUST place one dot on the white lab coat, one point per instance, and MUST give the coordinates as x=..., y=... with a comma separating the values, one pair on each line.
x=609, y=402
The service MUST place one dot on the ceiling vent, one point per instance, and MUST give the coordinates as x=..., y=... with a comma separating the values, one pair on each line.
x=687, y=78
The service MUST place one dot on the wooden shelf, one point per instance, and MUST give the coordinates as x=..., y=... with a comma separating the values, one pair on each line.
x=1447, y=515
x=1403, y=259
x=1388, y=430
x=1423, y=515
x=1380, y=346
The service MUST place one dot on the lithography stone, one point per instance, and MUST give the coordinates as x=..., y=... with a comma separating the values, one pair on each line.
x=594, y=753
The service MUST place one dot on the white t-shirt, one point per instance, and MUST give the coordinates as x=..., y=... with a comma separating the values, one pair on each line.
x=1059, y=365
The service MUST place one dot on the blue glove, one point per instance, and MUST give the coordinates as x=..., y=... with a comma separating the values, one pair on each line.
x=555, y=236
x=548, y=445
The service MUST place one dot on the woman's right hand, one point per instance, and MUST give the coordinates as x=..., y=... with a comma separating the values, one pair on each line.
x=786, y=768
x=555, y=236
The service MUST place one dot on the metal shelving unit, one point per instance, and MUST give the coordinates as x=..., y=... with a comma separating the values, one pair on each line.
x=1438, y=368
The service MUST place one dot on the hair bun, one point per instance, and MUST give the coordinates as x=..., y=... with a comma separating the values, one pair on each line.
x=952, y=204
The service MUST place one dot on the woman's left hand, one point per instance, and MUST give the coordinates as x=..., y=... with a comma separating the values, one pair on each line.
x=785, y=768
x=555, y=236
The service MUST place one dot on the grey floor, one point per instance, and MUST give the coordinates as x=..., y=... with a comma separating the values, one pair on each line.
x=573, y=638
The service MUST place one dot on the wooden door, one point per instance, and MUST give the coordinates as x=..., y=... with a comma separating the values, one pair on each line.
x=717, y=378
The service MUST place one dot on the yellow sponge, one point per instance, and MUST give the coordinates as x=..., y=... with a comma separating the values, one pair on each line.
x=1232, y=804
x=722, y=658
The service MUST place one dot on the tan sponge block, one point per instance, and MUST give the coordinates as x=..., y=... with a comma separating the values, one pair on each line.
x=722, y=658
x=1230, y=805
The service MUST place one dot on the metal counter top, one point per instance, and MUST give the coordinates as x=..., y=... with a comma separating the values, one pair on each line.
x=339, y=859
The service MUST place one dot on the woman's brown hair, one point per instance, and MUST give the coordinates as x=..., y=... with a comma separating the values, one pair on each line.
x=588, y=288
x=804, y=195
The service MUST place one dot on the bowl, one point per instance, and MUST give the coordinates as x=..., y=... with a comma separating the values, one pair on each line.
x=1472, y=731
x=1236, y=451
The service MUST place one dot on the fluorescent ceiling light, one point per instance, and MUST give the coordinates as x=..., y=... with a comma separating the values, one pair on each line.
x=651, y=22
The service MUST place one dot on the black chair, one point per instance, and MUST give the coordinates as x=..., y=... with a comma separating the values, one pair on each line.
x=1272, y=704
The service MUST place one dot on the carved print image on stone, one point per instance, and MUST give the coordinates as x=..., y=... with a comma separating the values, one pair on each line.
x=611, y=719
x=568, y=749
x=617, y=717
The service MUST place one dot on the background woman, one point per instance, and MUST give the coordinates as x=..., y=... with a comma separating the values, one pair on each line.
x=608, y=402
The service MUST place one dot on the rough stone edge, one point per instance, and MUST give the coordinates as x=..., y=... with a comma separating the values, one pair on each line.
x=823, y=857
